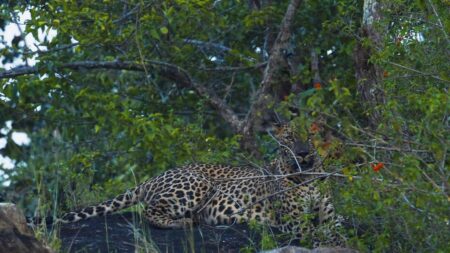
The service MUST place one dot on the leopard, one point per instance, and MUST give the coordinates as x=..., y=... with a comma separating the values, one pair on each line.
x=326, y=227
x=277, y=195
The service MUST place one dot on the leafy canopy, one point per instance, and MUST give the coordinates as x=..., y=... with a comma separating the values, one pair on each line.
x=97, y=129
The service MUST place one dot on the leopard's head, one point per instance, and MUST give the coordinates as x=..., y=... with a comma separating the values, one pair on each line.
x=294, y=153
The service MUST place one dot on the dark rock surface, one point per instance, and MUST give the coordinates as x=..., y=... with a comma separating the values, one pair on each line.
x=293, y=249
x=125, y=233
x=122, y=233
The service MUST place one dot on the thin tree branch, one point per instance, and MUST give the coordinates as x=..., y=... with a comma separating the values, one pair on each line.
x=387, y=148
x=25, y=70
x=204, y=45
x=439, y=21
x=223, y=109
x=418, y=71
x=18, y=71
x=38, y=51
x=315, y=67
x=231, y=69
x=281, y=176
x=240, y=210
x=410, y=204
x=208, y=45
x=289, y=149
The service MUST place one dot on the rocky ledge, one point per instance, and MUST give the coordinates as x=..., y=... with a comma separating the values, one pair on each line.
x=125, y=232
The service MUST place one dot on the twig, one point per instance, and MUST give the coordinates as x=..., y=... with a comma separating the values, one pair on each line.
x=50, y=50
x=280, y=176
x=418, y=71
x=231, y=69
x=25, y=70
x=286, y=147
x=409, y=203
x=284, y=190
x=252, y=163
x=439, y=21
x=22, y=36
x=224, y=110
x=387, y=148
x=207, y=44
x=126, y=15
x=211, y=45
x=315, y=67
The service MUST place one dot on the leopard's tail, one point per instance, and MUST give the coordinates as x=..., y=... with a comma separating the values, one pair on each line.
x=129, y=198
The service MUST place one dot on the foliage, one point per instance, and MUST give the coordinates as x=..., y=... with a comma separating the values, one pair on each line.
x=396, y=192
x=95, y=132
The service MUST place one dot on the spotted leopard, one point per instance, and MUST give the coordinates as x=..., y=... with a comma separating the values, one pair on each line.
x=221, y=194
x=326, y=227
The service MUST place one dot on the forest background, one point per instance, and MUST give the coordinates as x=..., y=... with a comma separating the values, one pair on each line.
x=124, y=90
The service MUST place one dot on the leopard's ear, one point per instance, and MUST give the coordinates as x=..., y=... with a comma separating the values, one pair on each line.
x=294, y=112
x=287, y=117
x=276, y=127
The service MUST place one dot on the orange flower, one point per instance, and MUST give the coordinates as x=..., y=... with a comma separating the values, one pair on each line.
x=326, y=145
x=314, y=128
x=317, y=86
x=377, y=167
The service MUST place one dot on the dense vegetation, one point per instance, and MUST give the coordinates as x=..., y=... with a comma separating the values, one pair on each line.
x=128, y=89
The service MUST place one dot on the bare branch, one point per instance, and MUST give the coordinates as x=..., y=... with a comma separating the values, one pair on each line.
x=205, y=45
x=18, y=71
x=315, y=67
x=439, y=21
x=25, y=70
x=208, y=45
x=223, y=109
x=231, y=69
x=286, y=147
x=387, y=148
x=38, y=51
x=418, y=71
x=410, y=204
x=281, y=176
x=306, y=182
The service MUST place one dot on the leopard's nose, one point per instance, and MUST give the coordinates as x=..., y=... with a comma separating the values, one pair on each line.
x=301, y=149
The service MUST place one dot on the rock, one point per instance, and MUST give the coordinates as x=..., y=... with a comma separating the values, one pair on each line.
x=124, y=232
x=15, y=216
x=293, y=249
x=127, y=232
x=15, y=236
x=288, y=249
x=334, y=250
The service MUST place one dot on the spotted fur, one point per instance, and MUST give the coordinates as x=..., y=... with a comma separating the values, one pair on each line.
x=221, y=194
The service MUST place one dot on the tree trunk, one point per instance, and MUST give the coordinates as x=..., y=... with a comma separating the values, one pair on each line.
x=276, y=79
x=369, y=75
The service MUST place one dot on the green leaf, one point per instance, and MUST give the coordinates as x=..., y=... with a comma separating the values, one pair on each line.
x=164, y=30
